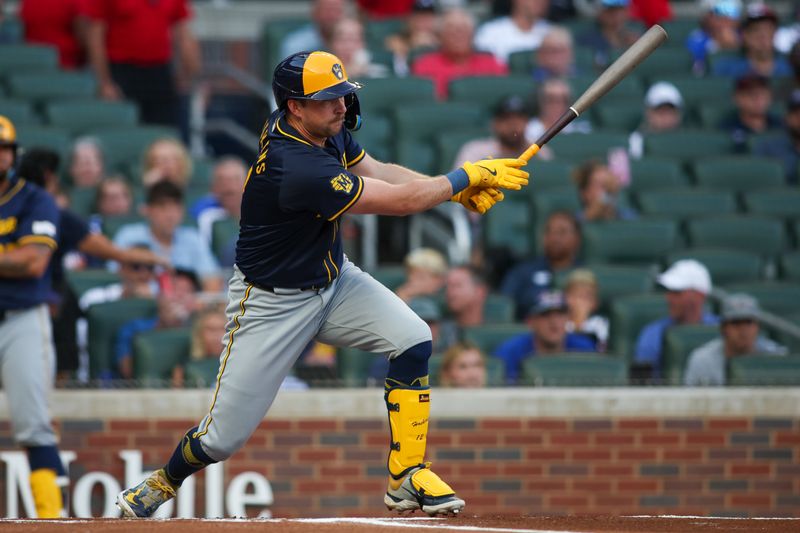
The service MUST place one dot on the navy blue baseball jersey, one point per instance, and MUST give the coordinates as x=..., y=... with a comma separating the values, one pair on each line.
x=293, y=197
x=72, y=229
x=28, y=215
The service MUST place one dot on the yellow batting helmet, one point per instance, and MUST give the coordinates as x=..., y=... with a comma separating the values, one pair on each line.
x=8, y=133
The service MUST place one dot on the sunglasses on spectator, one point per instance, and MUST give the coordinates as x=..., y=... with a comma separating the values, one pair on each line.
x=141, y=267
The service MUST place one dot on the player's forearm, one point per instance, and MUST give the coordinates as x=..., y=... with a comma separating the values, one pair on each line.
x=397, y=174
x=419, y=195
x=25, y=262
x=95, y=47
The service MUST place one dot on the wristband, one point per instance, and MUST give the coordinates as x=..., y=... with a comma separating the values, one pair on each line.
x=459, y=180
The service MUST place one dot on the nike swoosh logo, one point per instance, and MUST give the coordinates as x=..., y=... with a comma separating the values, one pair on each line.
x=490, y=171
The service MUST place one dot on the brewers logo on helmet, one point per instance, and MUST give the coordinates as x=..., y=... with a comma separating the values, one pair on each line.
x=316, y=76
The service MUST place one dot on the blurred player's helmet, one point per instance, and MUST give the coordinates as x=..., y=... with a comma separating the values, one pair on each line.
x=316, y=76
x=8, y=134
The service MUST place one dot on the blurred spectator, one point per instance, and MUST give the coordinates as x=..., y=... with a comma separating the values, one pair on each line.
x=225, y=198
x=562, y=10
x=758, y=52
x=162, y=232
x=166, y=159
x=753, y=97
x=663, y=111
x=787, y=36
x=598, y=190
x=419, y=33
x=783, y=87
x=456, y=57
x=318, y=34
x=786, y=148
x=510, y=118
x=86, y=163
x=130, y=48
x=547, y=320
x=739, y=330
x=611, y=32
x=114, y=198
x=524, y=29
x=561, y=244
x=580, y=293
x=426, y=271
x=555, y=58
x=651, y=11
x=553, y=97
x=177, y=302
x=383, y=9
x=208, y=328
x=463, y=366
x=465, y=294
x=718, y=32
x=688, y=284
x=59, y=23
x=347, y=43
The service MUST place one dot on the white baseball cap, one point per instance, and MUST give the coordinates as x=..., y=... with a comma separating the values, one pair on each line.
x=663, y=93
x=684, y=275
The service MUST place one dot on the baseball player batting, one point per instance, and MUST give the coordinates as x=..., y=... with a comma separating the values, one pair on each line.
x=292, y=282
x=29, y=222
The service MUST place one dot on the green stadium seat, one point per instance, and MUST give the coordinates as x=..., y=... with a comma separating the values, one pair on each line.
x=629, y=314
x=651, y=173
x=18, y=111
x=687, y=145
x=489, y=336
x=382, y=95
x=510, y=226
x=81, y=116
x=27, y=57
x=376, y=136
x=614, y=281
x=202, y=172
x=790, y=266
x=678, y=30
x=523, y=62
x=774, y=296
x=764, y=236
x=686, y=202
x=574, y=370
x=112, y=224
x=498, y=309
x=699, y=92
x=725, y=265
x=201, y=373
x=377, y=30
x=548, y=201
x=417, y=155
x=679, y=341
x=784, y=338
x=547, y=175
x=487, y=91
x=104, y=322
x=665, y=63
x=781, y=202
x=740, y=174
x=629, y=88
x=618, y=115
x=579, y=146
x=353, y=366
x=638, y=242
x=44, y=86
x=425, y=121
x=710, y=115
x=55, y=139
x=449, y=144
x=156, y=353
x=223, y=231
x=391, y=276
x=82, y=200
x=764, y=370
x=273, y=32
x=81, y=281
x=124, y=146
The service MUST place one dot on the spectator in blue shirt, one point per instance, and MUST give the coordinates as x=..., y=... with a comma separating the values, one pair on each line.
x=548, y=322
x=718, y=32
x=688, y=284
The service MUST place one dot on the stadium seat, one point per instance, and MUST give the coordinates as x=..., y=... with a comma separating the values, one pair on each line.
x=156, y=353
x=616, y=280
x=687, y=144
x=651, y=173
x=782, y=202
x=27, y=57
x=740, y=174
x=81, y=116
x=618, y=115
x=487, y=91
x=498, y=309
x=550, y=174
x=449, y=144
x=783, y=337
x=417, y=155
x=55, y=139
x=678, y=30
x=44, y=86
x=81, y=281
x=82, y=200
x=375, y=135
x=699, y=92
x=201, y=373
x=679, y=341
x=377, y=30
x=636, y=242
x=764, y=370
x=382, y=95
x=18, y=111
x=127, y=145
x=725, y=265
x=776, y=297
x=273, y=32
x=790, y=266
x=684, y=202
x=104, y=322
x=425, y=121
x=580, y=146
x=574, y=370
x=710, y=115
x=510, y=226
x=548, y=201
x=352, y=366
x=629, y=314
x=628, y=89
x=223, y=231
x=523, y=62
x=489, y=336
x=761, y=235
x=391, y=276
x=664, y=63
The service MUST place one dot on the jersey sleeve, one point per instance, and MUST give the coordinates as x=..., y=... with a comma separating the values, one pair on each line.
x=353, y=152
x=73, y=230
x=328, y=191
x=40, y=223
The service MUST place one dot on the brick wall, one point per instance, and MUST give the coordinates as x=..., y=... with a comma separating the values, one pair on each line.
x=746, y=466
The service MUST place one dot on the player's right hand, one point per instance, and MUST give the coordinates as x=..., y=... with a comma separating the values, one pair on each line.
x=497, y=173
x=479, y=200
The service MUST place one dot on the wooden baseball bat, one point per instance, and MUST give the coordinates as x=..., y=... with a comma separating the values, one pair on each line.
x=620, y=68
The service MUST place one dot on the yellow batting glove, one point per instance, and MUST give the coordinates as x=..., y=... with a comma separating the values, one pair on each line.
x=497, y=173
x=478, y=200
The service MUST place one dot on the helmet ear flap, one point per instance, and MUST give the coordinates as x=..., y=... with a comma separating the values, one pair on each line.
x=352, y=117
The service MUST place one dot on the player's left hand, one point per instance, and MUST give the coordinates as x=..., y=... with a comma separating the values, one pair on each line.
x=479, y=200
x=498, y=173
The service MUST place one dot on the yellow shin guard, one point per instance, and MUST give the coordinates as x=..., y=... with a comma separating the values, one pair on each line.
x=46, y=493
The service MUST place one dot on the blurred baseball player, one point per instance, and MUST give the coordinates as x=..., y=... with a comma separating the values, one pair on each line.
x=28, y=235
x=292, y=282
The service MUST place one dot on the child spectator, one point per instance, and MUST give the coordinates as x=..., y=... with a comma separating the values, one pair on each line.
x=580, y=293
x=463, y=366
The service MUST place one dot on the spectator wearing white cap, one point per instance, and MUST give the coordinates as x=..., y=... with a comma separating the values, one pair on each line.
x=718, y=31
x=688, y=284
x=663, y=111
x=739, y=330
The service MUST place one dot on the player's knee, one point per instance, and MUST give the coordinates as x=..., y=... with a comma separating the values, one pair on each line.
x=411, y=366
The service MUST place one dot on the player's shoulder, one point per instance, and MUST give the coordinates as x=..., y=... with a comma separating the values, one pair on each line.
x=24, y=193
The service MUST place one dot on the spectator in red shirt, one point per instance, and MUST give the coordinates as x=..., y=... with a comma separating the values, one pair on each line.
x=130, y=49
x=59, y=23
x=456, y=58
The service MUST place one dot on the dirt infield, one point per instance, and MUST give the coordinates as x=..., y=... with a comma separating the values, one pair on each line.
x=488, y=524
